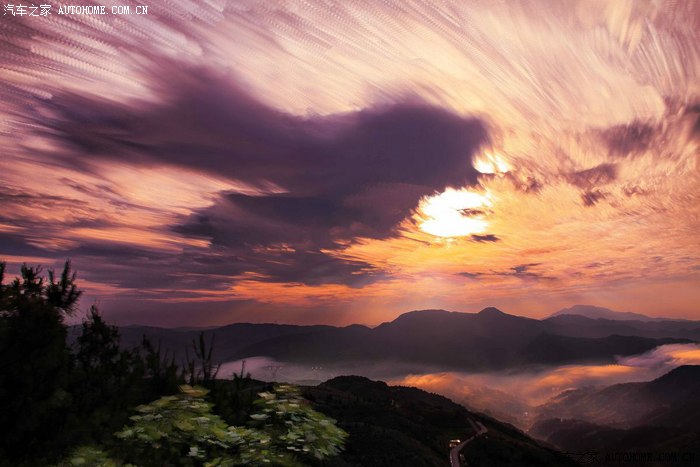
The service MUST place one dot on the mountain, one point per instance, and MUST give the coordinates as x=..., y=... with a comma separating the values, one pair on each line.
x=394, y=425
x=229, y=340
x=670, y=400
x=487, y=340
x=657, y=417
x=581, y=326
x=556, y=349
x=602, y=445
x=597, y=312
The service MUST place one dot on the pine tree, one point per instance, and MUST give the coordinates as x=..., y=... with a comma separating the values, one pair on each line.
x=34, y=362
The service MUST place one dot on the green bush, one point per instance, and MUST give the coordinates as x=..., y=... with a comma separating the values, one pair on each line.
x=181, y=430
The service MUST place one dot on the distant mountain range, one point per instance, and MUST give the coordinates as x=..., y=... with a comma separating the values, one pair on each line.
x=597, y=312
x=670, y=400
x=488, y=340
x=659, y=416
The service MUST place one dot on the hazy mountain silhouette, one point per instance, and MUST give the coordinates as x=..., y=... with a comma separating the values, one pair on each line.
x=556, y=349
x=488, y=340
x=581, y=326
x=597, y=312
x=660, y=416
x=671, y=400
x=229, y=339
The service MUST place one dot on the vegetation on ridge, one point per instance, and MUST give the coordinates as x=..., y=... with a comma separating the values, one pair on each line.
x=55, y=397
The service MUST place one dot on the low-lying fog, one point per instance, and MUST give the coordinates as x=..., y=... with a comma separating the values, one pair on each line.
x=507, y=395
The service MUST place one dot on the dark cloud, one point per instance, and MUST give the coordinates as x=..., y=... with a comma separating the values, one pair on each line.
x=591, y=198
x=15, y=244
x=523, y=268
x=623, y=140
x=206, y=122
x=314, y=268
x=590, y=178
x=12, y=196
x=336, y=178
x=142, y=270
x=470, y=275
x=693, y=112
x=485, y=238
x=521, y=271
x=525, y=272
x=469, y=212
x=528, y=184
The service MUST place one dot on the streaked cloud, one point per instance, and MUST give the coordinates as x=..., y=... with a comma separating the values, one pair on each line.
x=366, y=157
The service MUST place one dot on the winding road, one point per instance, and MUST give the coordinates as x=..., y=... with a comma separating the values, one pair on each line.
x=454, y=452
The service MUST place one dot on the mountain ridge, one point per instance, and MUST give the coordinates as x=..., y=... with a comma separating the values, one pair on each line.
x=488, y=340
x=599, y=312
x=656, y=416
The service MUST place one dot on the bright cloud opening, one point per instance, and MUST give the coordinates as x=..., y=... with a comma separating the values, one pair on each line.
x=491, y=163
x=454, y=213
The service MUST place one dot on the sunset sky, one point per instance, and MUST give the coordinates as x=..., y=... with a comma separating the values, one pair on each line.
x=344, y=162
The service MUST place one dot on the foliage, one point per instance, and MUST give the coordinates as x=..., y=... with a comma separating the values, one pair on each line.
x=108, y=381
x=202, y=369
x=295, y=426
x=175, y=429
x=159, y=370
x=31, y=290
x=35, y=363
x=234, y=398
x=89, y=456
x=53, y=397
x=181, y=430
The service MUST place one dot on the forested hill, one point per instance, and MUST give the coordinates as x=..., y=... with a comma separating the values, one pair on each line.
x=400, y=426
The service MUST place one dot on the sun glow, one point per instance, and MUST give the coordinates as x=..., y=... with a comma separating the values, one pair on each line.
x=490, y=163
x=454, y=213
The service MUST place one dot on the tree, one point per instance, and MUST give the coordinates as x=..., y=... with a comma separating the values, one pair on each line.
x=34, y=361
x=161, y=373
x=202, y=368
x=234, y=398
x=52, y=400
x=106, y=382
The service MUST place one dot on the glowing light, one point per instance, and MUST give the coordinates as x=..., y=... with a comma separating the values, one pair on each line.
x=490, y=163
x=454, y=213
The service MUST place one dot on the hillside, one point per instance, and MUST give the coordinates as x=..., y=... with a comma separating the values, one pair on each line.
x=670, y=400
x=660, y=416
x=603, y=442
x=396, y=426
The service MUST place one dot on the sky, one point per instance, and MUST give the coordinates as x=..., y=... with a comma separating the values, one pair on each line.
x=345, y=162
